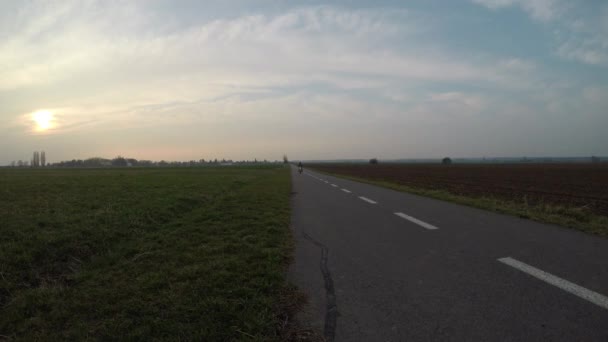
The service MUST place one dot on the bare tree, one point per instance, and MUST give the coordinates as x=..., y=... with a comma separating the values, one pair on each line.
x=285, y=160
x=42, y=159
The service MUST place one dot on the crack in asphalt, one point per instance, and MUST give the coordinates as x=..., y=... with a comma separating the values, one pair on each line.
x=331, y=313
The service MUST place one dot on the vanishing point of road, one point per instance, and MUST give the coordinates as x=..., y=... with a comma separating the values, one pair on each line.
x=381, y=265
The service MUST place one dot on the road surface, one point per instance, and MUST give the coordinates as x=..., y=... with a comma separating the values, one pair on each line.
x=381, y=265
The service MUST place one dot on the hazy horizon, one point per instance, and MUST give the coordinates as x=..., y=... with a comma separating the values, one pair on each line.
x=185, y=80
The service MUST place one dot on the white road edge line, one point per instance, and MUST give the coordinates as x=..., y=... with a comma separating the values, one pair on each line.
x=417, y=221
x=593, y=297
x=347, y=191
x=368, y=200
x=334, y=185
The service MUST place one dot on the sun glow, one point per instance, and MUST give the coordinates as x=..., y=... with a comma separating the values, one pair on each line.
x=43, y=120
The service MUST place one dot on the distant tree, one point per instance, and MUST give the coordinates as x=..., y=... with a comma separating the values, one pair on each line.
x=36, y=159
x=285, y=160
x=595, y=160
x=95, y=162
x=373, y=161
x=42, y=159
x=119, y=161
x=13, y=163
x=446, y=161
x=20, y=163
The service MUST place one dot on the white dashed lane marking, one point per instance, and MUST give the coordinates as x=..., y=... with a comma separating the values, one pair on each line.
x=416, y=221
x=577, y=290
x=367, y=200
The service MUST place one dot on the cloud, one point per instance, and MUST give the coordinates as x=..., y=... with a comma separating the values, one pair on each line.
x=586, y=51
x=586, y=40
x=101, y=64
x=544, y=10
x=304, y=45
x=580, y=34
x=126, y=74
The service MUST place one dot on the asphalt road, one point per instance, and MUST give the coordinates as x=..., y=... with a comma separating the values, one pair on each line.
x=380, y=265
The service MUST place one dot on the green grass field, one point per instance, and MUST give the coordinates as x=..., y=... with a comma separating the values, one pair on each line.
x=142, y=254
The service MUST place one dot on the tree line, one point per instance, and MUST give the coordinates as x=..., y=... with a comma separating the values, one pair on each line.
x=39, y=160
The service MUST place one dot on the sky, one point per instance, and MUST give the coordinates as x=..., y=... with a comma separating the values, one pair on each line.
x=242, y=79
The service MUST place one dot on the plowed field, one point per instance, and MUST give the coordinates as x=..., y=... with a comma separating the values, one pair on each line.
x=571, y=185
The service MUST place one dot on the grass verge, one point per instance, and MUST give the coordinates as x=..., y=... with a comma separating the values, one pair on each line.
x=576, y=218
x=145, y=254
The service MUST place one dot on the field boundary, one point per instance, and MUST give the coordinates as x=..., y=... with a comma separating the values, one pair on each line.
x=575, y=218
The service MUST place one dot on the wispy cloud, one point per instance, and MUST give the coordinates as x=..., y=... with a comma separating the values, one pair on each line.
x=544, y=10
x=586, y=40
x=580, y=33
x=140, y=64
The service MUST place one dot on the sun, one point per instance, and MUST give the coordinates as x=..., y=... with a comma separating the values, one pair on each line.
x=43, y=120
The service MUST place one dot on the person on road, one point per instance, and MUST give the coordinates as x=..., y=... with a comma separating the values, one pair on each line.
x=300, y=167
